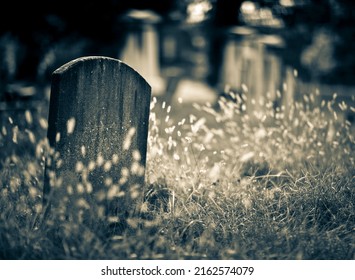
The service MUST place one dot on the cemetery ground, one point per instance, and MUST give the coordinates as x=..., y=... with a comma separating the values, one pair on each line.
x=222, y=182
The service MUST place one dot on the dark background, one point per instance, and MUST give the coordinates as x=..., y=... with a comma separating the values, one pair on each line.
x=35, y=26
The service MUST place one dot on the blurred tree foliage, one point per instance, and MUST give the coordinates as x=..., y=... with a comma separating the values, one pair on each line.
x=38, y=25
x=327, y=30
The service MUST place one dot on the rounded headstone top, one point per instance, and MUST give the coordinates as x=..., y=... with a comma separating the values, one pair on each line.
x=87, y=59
x=242, y=31
x=272, y=41
x=141, y=16
x=79, y=60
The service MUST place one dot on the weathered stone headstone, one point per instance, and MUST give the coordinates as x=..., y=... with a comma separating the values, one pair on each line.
x=97, y=128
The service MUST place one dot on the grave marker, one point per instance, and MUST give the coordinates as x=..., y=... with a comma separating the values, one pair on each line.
x=98, y=127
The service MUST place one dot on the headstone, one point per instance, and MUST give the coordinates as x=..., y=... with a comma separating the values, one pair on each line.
x=141, y=48
x=97, y=127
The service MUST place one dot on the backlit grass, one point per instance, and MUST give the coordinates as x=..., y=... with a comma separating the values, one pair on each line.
x=222, y=182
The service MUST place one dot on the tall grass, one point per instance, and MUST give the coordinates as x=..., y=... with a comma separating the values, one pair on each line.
x=222, y=182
